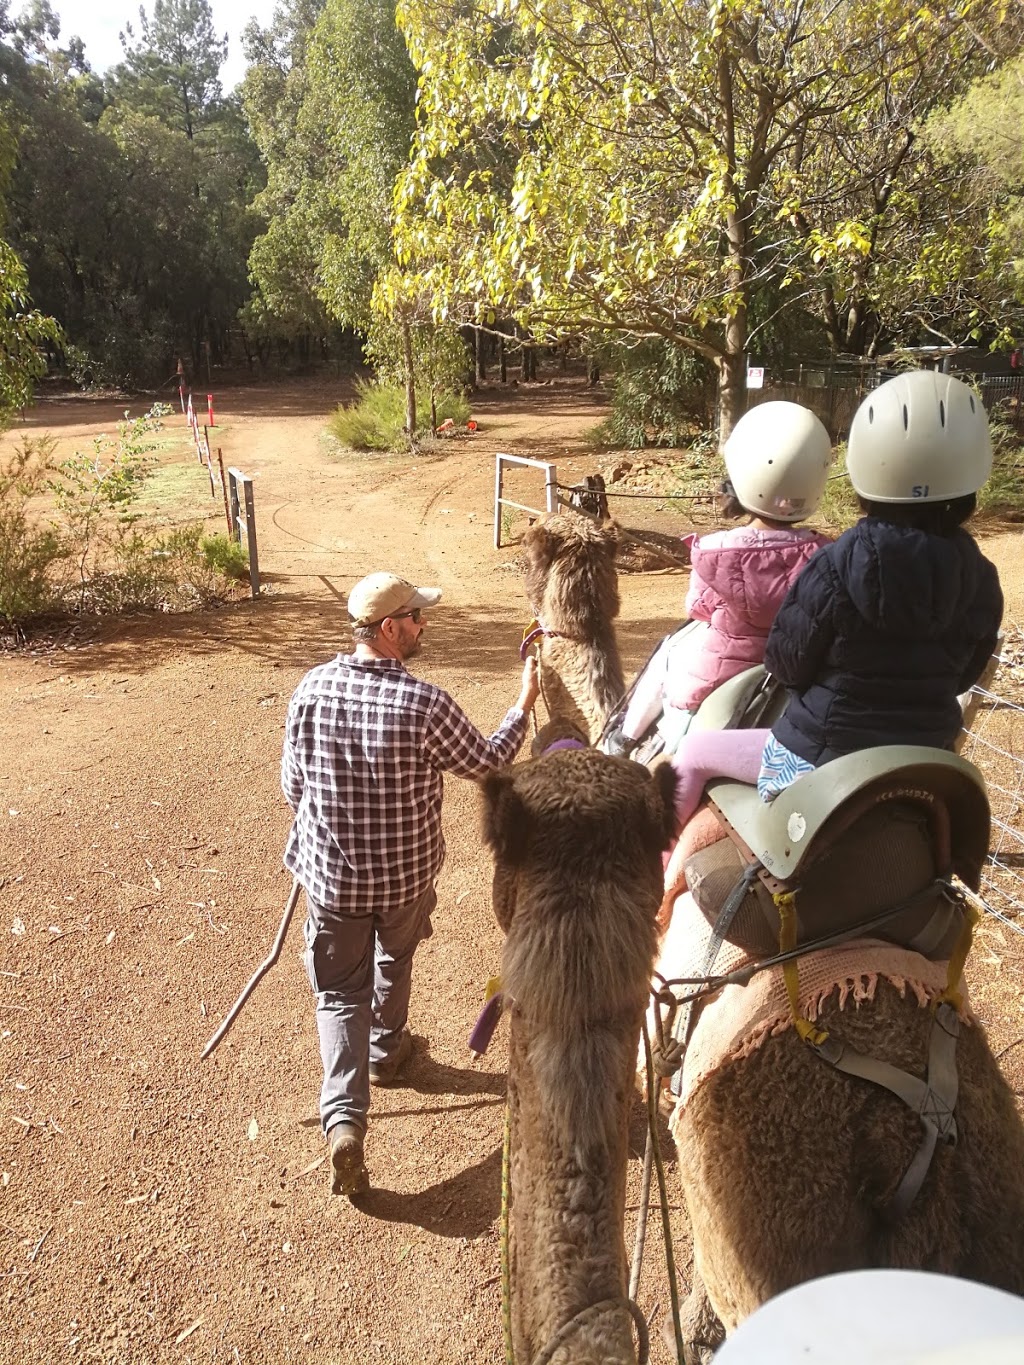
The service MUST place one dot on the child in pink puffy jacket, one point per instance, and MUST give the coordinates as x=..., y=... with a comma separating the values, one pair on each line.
x=777, y=459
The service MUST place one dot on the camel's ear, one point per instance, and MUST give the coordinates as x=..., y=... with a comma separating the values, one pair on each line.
x=506, y=822
x=664, y=777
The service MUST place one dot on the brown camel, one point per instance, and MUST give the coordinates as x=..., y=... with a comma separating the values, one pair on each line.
x=787, y=1166
x=573, y=590
x=577, y=840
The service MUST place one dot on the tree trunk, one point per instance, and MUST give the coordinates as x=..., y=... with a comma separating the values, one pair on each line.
x=410, y=382
x=433, y=412
x=502, y=363
x=479, y=343
x=732, y=376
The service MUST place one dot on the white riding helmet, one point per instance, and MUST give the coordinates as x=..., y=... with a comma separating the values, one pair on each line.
x=778, y=458
x=888, y=1317
x=921, y=437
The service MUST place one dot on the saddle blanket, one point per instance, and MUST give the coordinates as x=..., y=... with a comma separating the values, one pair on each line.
x=738, y=1020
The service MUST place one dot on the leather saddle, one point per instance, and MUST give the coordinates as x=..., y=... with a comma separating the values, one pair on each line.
x=857, y=838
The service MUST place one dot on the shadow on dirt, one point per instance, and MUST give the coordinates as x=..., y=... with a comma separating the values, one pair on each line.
x=428, y=1077
x=299, y=631
x=464, y=1205
x=293, y=632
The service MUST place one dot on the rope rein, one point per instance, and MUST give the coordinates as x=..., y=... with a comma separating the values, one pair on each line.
x=503, y=1234
x=595, y=1310
x=666, y=1227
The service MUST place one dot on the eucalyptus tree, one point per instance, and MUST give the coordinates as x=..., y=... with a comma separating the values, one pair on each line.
x=979, y=136
x=648, y=170
x=129, y=195
x=330, y=97
x=293, y=205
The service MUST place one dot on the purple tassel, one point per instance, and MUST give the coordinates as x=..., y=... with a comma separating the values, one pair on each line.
x=487, y=1022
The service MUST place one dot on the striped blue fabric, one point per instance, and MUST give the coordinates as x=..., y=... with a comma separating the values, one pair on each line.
x=779, y=768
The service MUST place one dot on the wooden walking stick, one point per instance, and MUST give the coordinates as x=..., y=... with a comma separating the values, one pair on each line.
x=260, y=972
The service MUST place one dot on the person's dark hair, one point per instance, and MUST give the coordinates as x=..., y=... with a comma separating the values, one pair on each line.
x=365, y=633
x=728, y=504
x=936, y=518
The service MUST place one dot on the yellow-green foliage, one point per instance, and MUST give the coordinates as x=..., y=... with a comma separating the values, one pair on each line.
x=30, y=550
x=376, y=421
x=227, y=556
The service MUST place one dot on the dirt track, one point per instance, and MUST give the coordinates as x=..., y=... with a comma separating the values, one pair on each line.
x=154, y=1207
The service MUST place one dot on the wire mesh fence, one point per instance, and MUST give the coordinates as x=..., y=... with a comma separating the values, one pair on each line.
x=993, y=743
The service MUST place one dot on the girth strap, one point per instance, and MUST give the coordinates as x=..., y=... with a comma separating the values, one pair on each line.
x=933, y=1099
x=668, y=1059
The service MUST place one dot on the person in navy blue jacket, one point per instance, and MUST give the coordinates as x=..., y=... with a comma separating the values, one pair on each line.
x=884, y=629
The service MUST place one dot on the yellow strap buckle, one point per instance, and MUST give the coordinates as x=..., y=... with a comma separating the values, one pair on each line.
x=958, y=957
x=785, y=904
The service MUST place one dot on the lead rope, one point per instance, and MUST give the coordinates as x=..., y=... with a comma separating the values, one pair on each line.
x=506, y=1262
x=532, y=636
x=666, y=1230
x=592, y=1311
x=641, y=1219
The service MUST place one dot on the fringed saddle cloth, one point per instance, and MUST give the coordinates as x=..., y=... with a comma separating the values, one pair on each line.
x=737, y=1021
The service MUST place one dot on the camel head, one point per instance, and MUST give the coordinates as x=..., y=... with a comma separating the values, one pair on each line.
x=577, y=839
x=570, y=574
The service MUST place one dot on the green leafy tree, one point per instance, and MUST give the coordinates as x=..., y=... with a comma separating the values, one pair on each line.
x=654, y=171
x=330, y=97
x=979, y=137
x=135, y=233
x=363, y=90
x=25, y=336
x=294, y=205
x=172, y=68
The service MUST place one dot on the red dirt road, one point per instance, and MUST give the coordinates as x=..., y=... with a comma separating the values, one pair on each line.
x=154, y=1207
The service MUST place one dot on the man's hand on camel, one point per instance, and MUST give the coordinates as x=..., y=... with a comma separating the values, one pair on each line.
x=531, y=685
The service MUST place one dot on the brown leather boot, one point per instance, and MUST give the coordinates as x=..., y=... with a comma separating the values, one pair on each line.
x=384, y=1072
x=348, y=1170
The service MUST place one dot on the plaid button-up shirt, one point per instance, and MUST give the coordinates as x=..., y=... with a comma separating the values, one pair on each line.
x=365, y=746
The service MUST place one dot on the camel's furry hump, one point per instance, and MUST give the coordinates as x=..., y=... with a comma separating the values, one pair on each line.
x=573, y=589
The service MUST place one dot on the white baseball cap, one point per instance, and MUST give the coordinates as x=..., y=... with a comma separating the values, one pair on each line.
x=379, y=595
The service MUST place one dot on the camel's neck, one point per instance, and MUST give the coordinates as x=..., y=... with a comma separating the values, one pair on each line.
x=569, y=1184
x=582, y=680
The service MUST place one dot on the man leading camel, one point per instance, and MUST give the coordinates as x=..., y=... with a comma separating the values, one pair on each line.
x=365, y=747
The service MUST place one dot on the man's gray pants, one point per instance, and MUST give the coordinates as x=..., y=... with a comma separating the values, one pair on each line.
x=360, y=968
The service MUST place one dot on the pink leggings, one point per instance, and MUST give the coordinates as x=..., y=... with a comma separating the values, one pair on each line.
x=714, y=753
